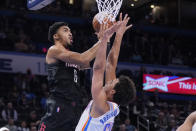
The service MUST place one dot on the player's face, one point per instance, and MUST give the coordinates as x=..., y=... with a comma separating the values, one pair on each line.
x=65, y=35
x=109, y=88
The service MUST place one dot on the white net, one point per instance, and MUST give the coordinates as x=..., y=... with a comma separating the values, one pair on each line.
x=109, y=9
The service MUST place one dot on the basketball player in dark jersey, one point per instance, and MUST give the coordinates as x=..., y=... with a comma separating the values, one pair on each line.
x=63, y=79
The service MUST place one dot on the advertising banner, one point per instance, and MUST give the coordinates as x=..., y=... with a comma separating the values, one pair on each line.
x=169, y=84
x=19, y=62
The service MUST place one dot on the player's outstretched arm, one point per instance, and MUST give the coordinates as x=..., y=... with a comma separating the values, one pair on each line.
x=90, y=54
x=188, y=123
x=97, y=91
x=65, y=55
x=113, y=55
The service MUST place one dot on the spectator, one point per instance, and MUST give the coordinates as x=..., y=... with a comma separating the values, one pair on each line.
x=165, y=111
x=175, y=111
x=11, y=126
x=172, y=126
x=122, y=127
x=21, y=46
x=9, y=112
x=33, y=120
x=171, y=117
x=161, y=122
x=2, y=104
x=44, y=99
x=33, y=128
x=23, y=126
x=129, y=127
x=13, y=95
x=23, y=103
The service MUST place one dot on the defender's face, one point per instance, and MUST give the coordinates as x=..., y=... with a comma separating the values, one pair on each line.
x=65, y=35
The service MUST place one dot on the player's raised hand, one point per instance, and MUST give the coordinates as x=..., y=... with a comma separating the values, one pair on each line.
x=123, y=26
x=100, y=34
x=106, y=33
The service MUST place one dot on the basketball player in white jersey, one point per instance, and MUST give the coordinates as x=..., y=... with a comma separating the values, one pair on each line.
x=100, y=113
x=188, y=123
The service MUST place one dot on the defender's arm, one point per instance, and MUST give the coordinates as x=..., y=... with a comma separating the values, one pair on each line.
x=98, y=93
x=113, y=55
x=188, y=123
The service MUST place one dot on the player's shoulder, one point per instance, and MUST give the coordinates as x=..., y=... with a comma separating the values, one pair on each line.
x=192, y=117
x=113, y=104
x=114, y=108
x=193, y=114
x=55, y=49
x=89, y=105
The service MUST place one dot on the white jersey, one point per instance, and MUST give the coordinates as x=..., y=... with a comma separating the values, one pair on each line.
x=194, y=127
x=102, y=123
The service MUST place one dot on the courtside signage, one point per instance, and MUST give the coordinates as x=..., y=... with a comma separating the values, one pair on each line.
x=169, y=84
x=19, y=62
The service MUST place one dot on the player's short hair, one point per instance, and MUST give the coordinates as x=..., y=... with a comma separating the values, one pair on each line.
x=125, y=91
x=54, y=28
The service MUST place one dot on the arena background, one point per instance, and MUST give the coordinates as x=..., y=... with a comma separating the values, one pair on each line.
x=161, y=42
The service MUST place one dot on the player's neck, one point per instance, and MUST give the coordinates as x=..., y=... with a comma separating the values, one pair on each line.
x=60, y=44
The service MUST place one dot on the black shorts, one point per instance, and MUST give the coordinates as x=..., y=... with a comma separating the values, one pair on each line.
x=60, y=116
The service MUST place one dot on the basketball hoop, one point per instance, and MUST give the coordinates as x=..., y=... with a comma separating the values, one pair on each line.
x=109, y=9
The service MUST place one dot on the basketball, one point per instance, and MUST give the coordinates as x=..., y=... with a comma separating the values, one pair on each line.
x=96, y=24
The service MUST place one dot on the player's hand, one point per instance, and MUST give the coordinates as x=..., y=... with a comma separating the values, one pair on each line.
x=106, y=33
x=123, y=27
x=100, y=34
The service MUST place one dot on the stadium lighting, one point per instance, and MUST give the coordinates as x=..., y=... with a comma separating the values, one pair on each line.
x=152, y=6
x=71, y=2
x=132, y=5
x=135, y=0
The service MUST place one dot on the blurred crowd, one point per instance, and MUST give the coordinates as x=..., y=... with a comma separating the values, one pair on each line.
x=23, y=102
x=138, y=46
x=60, y=7
x=24, y=34
x=162, y=113
x=31, y=35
